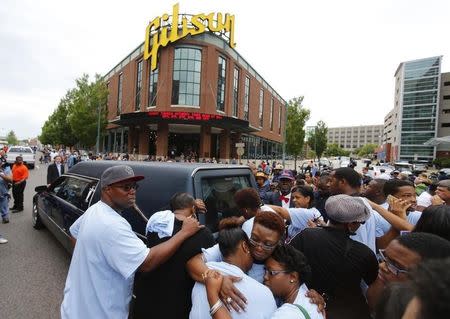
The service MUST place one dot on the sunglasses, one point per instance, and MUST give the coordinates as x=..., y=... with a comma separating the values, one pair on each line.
x=127, y=187
x=392, y=268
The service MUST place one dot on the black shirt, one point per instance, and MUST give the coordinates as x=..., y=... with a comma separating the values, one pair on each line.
x=166, y=291
x=338, y=264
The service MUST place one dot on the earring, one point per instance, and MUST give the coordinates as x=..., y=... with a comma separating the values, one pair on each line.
x=291, y=281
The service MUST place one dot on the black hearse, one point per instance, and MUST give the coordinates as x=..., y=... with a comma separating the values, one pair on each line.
x=59, y=205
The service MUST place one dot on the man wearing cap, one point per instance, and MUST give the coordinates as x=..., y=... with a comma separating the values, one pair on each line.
x=108, y=253
x=338, y=262
x=282, y=197
x=262, y=184
x=276, y=173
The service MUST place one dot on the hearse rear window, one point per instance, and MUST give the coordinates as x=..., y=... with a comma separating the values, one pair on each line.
x=218, y=193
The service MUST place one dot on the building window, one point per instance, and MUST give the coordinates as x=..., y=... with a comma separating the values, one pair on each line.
x=447, y=83
x=246, y=97
x=119, y=97
x=221, y=78
x=186, y=76
x=446, y=97
x=445, y=125
x=152, y=87
x=446, y=111
x=261, y=107
x=279, y=120
x=271, y=115
x=235, y=92
x=137, y=104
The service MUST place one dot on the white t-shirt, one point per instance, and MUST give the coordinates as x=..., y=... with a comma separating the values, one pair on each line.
x=366, y=232
x=290, y=311
x=383, y=226
x=213, y=254
x=261, y=303
x=247, y=226
x=300, y=218
x=424, y=199
x=106, y=257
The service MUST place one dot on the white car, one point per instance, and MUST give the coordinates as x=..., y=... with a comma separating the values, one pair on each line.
x=25, y=151
x=375, y=172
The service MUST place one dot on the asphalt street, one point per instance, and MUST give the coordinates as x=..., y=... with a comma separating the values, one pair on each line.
x=33, y=265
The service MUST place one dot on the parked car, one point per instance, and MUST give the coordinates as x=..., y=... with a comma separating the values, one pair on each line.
x=374, y=171
x=64, y=201
x=26, y=152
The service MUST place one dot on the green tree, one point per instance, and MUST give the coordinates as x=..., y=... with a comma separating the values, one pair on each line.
x=12, y=138
x=83, y=109
x=318, y=139
x=336, y=150
x=297, y=115
x=74, y=122
x=56, y=129
x=367, y=150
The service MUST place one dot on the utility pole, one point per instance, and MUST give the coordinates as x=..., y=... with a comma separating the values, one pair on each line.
x=97, y=144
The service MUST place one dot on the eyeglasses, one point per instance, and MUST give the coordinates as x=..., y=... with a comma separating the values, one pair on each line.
x=392, y=268
x=275, y=272
x=127, y=187
x=263, y=246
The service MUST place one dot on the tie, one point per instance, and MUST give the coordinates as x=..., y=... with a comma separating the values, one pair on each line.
x=284, y=198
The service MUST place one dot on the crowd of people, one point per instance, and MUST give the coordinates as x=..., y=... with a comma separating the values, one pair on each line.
x=11, y=177
x=331, y=244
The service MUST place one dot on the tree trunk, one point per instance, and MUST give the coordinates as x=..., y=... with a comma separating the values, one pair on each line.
x=295, y=162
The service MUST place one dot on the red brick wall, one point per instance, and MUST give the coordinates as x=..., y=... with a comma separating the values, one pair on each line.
x=208, y=89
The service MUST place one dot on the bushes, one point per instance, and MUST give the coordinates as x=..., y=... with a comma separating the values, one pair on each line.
x=442, y=162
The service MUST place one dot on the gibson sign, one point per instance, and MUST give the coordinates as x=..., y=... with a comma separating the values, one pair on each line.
x=161, y=31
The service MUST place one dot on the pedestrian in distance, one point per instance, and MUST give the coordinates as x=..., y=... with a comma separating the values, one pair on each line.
x=5, y=182
x=55, y=170
x=108, y=253
x=20, y=176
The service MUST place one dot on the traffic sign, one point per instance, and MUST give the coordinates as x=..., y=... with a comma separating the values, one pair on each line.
x=240, y=151
x=240, y=145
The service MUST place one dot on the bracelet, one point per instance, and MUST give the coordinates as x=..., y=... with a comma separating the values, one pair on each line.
x=215, y=308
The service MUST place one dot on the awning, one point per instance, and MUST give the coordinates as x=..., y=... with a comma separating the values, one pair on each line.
x=437, y=141
x=213, y=120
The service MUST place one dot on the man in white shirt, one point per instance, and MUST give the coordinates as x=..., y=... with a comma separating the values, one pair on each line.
x=108, y=253
x=346, y=180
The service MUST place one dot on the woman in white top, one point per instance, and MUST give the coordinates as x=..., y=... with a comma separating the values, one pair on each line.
x=303, y=211
x=286, y=272
x=237, y=260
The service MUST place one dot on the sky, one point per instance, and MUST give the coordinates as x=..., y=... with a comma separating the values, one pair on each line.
x=340, y=55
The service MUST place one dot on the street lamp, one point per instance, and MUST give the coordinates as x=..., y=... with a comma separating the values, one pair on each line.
x=97, y=144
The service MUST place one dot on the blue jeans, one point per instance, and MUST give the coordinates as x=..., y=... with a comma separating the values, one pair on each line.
x=4, y=206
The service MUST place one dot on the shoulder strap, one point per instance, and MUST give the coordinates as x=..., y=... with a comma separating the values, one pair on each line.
x=303, y=311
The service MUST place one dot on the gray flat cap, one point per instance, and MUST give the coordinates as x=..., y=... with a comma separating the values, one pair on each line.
x=346, y=209
x=119, y=173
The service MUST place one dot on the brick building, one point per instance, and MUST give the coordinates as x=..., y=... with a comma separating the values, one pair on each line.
x=203, y=98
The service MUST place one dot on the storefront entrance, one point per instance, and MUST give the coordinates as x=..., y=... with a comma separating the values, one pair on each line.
x=183, y=145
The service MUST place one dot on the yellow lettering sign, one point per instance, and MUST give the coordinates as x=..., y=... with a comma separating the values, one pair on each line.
x=160, y=31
